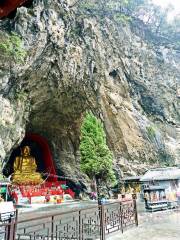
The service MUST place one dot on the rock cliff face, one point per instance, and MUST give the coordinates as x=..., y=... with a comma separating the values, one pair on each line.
x=76, y=62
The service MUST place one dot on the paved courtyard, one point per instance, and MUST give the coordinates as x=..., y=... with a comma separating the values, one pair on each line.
x=163, y=225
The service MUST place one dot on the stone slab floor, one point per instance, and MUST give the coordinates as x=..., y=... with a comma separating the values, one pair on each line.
x=162, y=225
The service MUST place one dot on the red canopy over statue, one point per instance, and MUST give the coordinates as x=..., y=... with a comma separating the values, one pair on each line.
x=47, y=157
x=7, y=6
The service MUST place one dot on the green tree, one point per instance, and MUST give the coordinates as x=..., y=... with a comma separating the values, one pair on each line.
x=96, y=158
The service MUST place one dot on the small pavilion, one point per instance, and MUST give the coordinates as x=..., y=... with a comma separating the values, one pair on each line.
x=168, y=177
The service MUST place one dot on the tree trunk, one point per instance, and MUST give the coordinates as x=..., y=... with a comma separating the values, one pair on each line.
x=98, y=191
x=93, y=185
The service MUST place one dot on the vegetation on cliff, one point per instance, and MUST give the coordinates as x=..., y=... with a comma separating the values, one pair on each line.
x=11, y=47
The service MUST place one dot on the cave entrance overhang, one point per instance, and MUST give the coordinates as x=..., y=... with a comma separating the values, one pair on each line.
x=41, y=151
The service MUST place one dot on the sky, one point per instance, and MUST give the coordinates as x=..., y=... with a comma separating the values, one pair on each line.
x=165, y=3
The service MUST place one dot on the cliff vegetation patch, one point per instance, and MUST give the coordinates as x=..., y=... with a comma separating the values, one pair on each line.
x=11, y=47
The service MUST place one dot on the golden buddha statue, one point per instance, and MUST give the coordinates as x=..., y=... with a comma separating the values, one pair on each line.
x=25, y=169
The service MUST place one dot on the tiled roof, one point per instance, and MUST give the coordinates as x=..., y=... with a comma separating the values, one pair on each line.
x=169, y=173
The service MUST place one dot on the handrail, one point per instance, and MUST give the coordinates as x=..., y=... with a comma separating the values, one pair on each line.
x=56, y=214
x=93, y=221
x=70, y=211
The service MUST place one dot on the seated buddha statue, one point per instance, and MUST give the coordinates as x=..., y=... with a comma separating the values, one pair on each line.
x=25, y=169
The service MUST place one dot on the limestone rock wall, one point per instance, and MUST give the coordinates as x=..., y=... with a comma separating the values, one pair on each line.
x=74, y=63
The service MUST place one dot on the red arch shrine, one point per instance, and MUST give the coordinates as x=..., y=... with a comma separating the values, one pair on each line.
x=50, y=190
x=47, y=157
x=7, y=6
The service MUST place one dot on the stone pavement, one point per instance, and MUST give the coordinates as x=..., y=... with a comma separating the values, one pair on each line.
x=162, y=225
